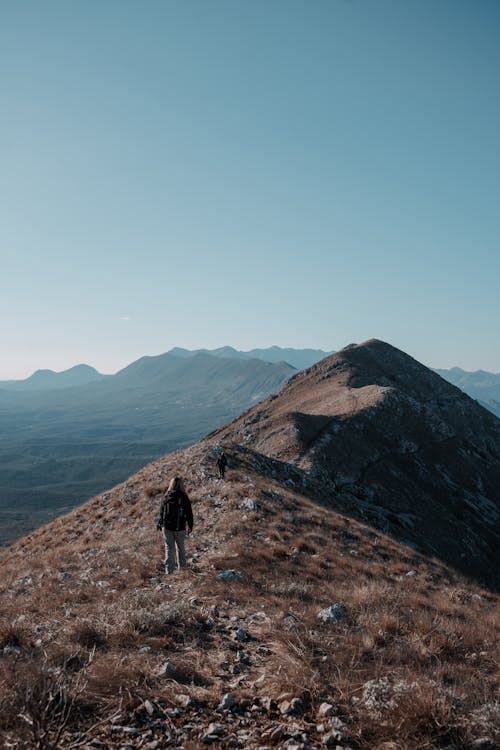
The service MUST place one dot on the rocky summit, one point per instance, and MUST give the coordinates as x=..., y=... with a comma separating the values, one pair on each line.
x=392, y=443
x=340, y=591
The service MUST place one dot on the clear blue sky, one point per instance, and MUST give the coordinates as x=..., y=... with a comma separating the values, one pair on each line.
x=248, y=172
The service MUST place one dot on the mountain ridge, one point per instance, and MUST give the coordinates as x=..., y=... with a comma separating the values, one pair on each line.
x=301, y=622
x=389, y=435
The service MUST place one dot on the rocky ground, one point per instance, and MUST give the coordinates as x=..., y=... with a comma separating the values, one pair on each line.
x=293, y=627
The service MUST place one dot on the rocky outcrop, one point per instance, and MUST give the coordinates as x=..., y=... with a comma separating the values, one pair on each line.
x=394, y=444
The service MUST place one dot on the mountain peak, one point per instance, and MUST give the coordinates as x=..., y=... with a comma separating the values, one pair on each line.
x=392, y=442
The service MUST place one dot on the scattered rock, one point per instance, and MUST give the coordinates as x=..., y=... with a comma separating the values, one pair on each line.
x=230, y=575
x=240, y=634
x=326, y=709
x=295, y=707
x=186, y=701
x=249, y=504
x=213, y=734
x=168, y=669
x=263, y=650
x=333, y=614
x=411, y=574
x=227, y=703
x=243, y=657
x=268, y=704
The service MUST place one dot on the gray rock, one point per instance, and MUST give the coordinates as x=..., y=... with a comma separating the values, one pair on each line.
x=335, y=613
x=213, y=734
x=326, y=709
x=168, y=669
x=240, y=634
x=185, y=701
x=411, y=574
x=295, y=707
x=227, y=703
x=243, y=657
x=230, y=575
x=263, y=650
x=268, y=704
x=249, y=504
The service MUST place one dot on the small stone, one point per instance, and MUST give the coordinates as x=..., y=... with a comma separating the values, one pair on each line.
x=168, y=669
x=185, y=701
x=243, y=657
x=326, y=709
x=411, y=574
x=333, y=614
x=263, y=650
x=145, y=650
x=268, y=704
x=151, y=708
x=230, y=575
x=103, y=584
x=295, y=707
x=249, y=504
x=240, y=634
x=227, y=703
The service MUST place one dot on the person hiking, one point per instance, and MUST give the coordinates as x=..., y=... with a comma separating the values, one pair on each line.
x=175, y=513
x=221, y=464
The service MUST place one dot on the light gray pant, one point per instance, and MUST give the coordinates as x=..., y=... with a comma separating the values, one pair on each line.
x=174, y=541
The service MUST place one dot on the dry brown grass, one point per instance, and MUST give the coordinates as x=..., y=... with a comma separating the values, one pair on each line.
x=414, y=661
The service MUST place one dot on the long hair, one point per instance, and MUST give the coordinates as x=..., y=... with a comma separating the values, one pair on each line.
x=176, y=484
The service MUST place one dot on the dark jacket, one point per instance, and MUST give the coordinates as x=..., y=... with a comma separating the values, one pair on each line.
x=175, y=512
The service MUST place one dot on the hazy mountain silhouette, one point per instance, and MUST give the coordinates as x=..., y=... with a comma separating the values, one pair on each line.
x=299, y=358
x=481, y=385
x=44, y=380
x=59, y=447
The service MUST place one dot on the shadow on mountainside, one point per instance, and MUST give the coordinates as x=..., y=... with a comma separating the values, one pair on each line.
x=437, y=532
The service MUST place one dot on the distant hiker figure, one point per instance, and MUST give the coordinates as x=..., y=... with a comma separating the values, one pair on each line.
x=175, y=513
x=221, y=464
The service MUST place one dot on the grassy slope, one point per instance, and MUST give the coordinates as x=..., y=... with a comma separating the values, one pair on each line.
x=414, y=663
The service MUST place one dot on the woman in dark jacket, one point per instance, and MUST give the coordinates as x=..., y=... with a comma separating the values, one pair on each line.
x=175, y=513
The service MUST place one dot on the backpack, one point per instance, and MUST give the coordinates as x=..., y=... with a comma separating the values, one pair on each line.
x=173, y=511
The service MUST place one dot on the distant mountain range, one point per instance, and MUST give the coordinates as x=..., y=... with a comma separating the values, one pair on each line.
x=481, y=385
x=299, y=358
x=61, y=445
x=48, y=380
x=65, y=436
